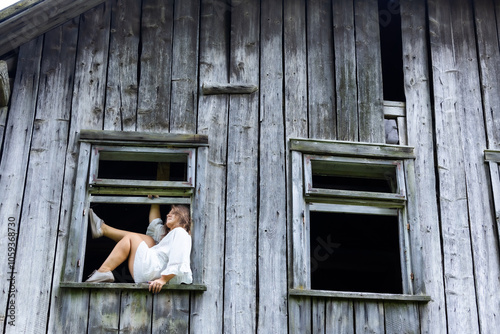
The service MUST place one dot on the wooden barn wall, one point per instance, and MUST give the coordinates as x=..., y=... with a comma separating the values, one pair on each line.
x=319, y=76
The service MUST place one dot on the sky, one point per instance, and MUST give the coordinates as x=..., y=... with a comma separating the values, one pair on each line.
x=7, y=3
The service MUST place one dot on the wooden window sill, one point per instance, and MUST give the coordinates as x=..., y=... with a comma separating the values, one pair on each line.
x=132, y=286
x=360, y=295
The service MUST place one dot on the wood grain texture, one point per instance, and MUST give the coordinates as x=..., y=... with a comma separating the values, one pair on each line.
x=272, y=209
x=369, y=318
x=122, y=81
x=369, y=72
x=153, y=106
x=4, y=84
x=87, y=110
x=39, y=19
x=339, y=317
x=320, y=65
x=487, y=37
x=296, y=125
x=185, y=67
x=210, y=216
x=345, y=70
x=39, y=225
x=465, y=212
x=15, y=154
x=425, y=243
x=240, y=272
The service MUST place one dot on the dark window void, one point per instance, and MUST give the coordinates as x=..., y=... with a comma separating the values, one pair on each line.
x=166, y=167
x=130, y=217
x=392, y=50
x=354, y=252
x=351, y=176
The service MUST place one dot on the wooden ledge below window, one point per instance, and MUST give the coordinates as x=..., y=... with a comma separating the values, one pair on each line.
x=360, y=296
x=132, y=286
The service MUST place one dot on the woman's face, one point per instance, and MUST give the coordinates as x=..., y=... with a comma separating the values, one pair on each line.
x=173, y=220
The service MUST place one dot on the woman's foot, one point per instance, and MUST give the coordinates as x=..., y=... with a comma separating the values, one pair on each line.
x=98, y=276
x=95, y=225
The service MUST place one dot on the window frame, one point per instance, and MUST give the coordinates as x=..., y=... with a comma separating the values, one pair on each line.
x=303, y=201
x=129, y=191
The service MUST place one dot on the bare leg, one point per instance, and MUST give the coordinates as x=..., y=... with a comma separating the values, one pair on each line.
x=124, y=249
x=113, y=233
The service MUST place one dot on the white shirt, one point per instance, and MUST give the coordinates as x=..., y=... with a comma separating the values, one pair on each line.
x=170, y=256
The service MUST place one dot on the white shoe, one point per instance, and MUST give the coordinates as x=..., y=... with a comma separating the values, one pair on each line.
x=98, y=276
x=95, y=225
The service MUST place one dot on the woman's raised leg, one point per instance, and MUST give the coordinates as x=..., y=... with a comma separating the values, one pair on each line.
x=125, y=248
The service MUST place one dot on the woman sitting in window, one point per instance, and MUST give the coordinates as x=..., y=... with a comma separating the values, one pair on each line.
x=161, y=255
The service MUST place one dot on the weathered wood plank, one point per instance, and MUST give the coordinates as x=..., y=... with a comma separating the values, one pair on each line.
x=345, y=70
x=369, y=72
x=489, y=60
x=135, y=312
x=456, y=145
x=16, y=8
x=209, y=216
x=369, y=317
x=4, y=111
x=15, y=153
x=131, y=286
x=39, y=225
x=39, y=19
x=228, y=88
x=425, y=243
x=320, y=65
x=86, y=112
x=171, y=312
x=156, y=65
x=4, y=84
x=272, y=209
x=318, y=316
x=359, y=295
x=122, y=82
x=480, y=208
x=339, y=317
x=184, y=67
x=401, y=318
x=103, y=315
x=295, y=97
x=142, y=137
x=240, y=297
x=352, y=149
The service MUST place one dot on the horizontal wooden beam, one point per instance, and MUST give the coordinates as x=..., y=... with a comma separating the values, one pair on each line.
x=359, y=295
x=30, y=19
x=142, y=138
x=132, y=286
x=492, y=155
x=393, y=109
x=345, y=148
x=228, y=88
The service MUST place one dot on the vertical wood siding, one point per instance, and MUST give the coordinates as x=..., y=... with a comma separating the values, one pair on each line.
x=139, y=65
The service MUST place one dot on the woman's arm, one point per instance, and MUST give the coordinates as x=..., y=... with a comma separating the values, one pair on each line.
x=156, y=285
x=154, y=211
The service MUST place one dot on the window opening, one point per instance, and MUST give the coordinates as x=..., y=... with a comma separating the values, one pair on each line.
x=350, y=176
x=391, y=50
x=355, y=252
x=130, y=217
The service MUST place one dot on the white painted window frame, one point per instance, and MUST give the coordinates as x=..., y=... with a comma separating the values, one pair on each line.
x=305, y=199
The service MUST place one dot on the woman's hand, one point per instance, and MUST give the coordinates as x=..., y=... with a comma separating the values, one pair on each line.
x=156, y=285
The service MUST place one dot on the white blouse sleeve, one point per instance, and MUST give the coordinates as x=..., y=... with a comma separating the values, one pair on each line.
x=179, y=262
x=156, y=229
